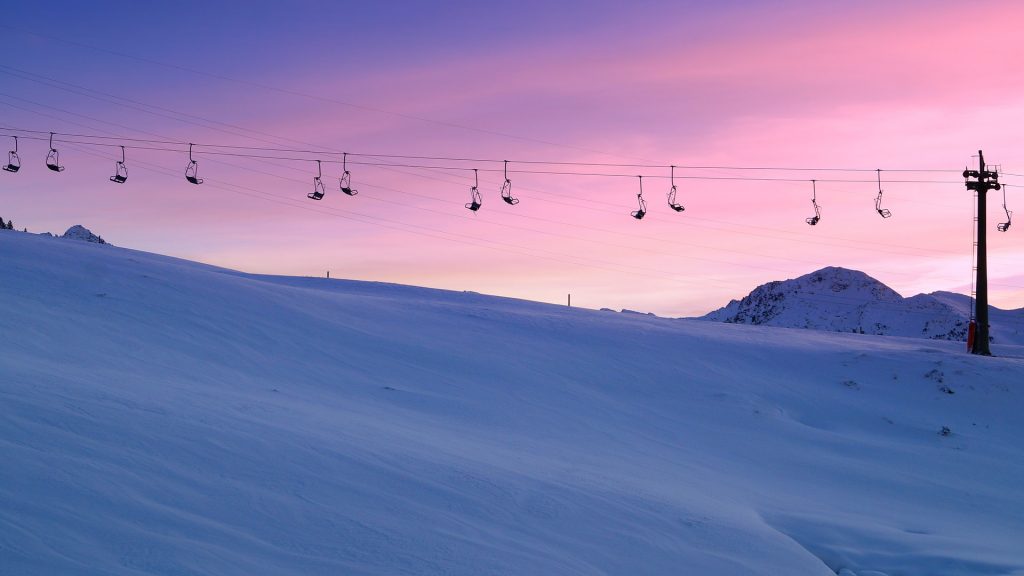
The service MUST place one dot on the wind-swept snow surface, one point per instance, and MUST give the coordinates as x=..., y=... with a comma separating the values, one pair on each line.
x=163, y=417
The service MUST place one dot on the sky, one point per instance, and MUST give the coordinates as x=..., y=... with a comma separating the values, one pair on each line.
x=913, y=88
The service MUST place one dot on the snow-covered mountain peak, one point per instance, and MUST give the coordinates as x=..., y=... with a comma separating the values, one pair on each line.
x=842, y=300
x=838, y=280
x=821, y=294
x=79, y=232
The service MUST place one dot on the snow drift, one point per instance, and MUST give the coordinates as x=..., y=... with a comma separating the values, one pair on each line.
x=159, y=416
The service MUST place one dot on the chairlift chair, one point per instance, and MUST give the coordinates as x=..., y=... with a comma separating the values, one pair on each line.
x=642, y=211
x=13, y=161
x=813, y=220
x=672, y=201
x=506, y=189
x=1004, y=226
x=53, y=158
x=318, y=185
x=474, y=193
x=345, y=182
x=883, y=212
x=672, y=194
x=120, y=170
x=192, y=170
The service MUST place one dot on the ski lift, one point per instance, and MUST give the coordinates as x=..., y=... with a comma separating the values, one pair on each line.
x=1004, y=226
x=13, y=161
x=53, y=158
x=345, y=183
x=813, y=220
x=672, y=194
x=506, y=189
x=474, y=193
x=642, y=211
x=191, y=171
x=120, y=170
x=318, y=185
x=883, y=212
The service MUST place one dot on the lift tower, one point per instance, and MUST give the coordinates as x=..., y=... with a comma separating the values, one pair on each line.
x=984, y=180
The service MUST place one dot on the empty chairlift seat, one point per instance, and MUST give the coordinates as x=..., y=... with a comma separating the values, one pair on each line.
x=13, y=161
x=120, y=170
x=192, y=170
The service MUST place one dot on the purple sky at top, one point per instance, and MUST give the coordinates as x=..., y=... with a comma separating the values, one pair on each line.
x=911, y=85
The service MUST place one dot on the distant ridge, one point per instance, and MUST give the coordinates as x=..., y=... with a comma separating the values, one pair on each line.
x=842, y=300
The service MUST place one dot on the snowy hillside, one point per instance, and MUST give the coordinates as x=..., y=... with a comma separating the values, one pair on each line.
x=841, y=300
x=159, y=416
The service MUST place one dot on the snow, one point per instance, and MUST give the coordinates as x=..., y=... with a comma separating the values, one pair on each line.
x=159, y=416
x=841, y=300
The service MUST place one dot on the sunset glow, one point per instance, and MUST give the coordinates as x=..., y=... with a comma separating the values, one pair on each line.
x=922, y=86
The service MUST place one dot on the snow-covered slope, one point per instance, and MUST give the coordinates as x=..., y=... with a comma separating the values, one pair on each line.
x=841, y=300
x=163, y=417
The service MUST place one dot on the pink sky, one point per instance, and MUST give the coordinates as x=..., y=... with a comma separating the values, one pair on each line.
x=791, y=85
